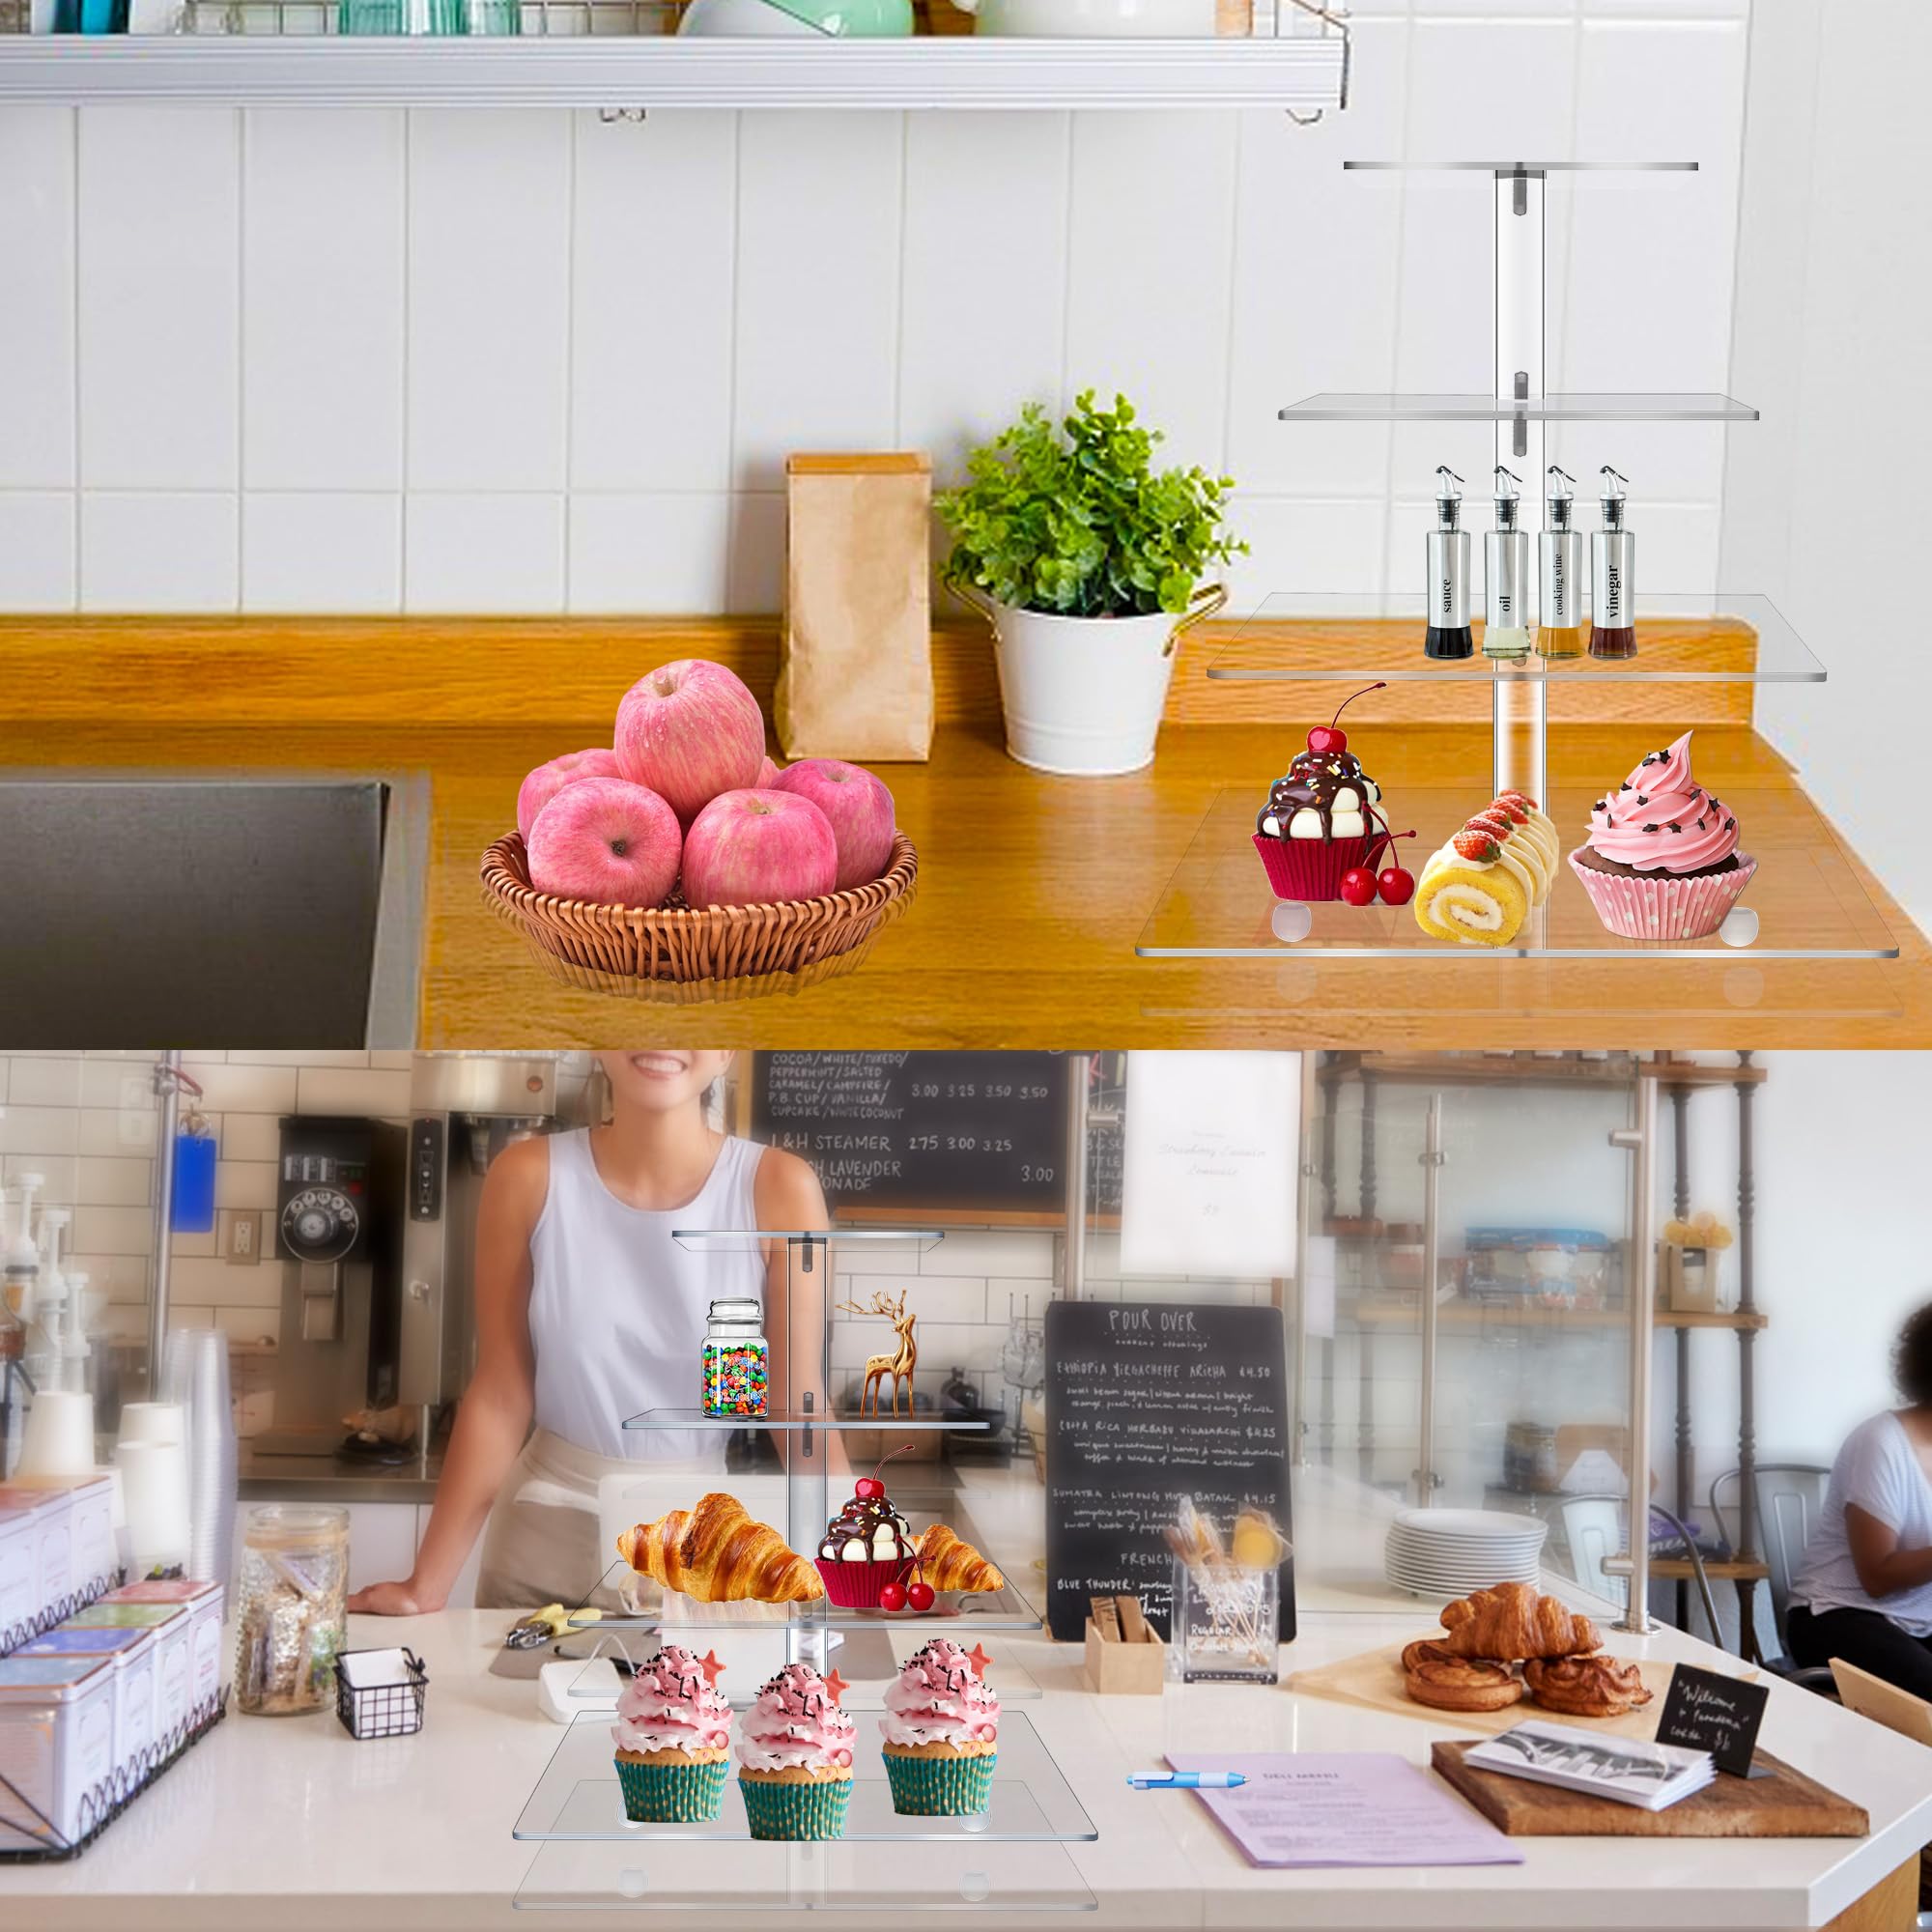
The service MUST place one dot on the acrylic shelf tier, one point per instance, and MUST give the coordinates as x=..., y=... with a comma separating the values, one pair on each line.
x=953, y=1611
x=1581, y=406
x=579, y=1797
x=690, y=1878
x=1807, y=900
x=1683, y=638
x=789, y=1419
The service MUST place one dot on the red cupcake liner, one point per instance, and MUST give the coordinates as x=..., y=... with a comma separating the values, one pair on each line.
x=1307, y=869
x=1656, y=905
x=855, y=1586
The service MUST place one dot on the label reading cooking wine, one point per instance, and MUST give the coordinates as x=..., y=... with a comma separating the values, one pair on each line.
x=1146, y=1403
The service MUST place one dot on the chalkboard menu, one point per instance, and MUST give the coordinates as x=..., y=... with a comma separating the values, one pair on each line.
x=958, y=1133
x=1146, y=1402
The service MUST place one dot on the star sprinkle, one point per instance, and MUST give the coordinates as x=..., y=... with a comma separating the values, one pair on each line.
x=836, y=1686
x=711, y=1667
x=977, y=1657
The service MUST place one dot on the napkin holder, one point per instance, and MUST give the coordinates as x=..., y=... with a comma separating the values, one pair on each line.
x=1124, y=1656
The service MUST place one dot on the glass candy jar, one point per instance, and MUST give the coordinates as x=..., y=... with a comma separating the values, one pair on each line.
x=290, y=1609
x=737, y=1359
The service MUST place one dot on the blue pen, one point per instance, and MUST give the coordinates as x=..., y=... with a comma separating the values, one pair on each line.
x=1186, y=1781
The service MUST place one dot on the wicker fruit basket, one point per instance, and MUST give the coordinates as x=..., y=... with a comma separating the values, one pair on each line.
x=676, y=945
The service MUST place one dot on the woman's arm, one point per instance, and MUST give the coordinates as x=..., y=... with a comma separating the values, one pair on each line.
x=1885, y=1566
x=493, y=1416
x=787, y=1195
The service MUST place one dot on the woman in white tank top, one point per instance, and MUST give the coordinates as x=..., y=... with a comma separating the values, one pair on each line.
x=588, y=1312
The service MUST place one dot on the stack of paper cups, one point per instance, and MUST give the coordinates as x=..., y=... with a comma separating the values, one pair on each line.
x=154, y=1422
x=59, y=1436
x=196, y=1376
x=153, y=1477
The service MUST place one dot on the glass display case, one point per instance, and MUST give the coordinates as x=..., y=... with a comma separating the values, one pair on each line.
x=1470, y=1269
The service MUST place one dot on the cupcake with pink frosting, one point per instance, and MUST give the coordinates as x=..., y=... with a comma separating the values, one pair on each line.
x=795, y=1758
x=673, y=1737
x=942, y=1732
x=1663, y=861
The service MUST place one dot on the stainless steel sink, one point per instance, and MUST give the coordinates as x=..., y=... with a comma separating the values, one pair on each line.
x=151, y=909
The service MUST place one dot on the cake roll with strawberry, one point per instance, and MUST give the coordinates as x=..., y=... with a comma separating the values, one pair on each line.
x=1663, y=861
x=1484, y=882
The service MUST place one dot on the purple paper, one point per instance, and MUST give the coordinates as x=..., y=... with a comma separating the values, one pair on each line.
x=1344, y=1808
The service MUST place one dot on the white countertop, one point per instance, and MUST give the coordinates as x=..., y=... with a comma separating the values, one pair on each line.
x=287, y=1822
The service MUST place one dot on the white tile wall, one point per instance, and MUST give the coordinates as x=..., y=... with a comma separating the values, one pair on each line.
x=527, y=361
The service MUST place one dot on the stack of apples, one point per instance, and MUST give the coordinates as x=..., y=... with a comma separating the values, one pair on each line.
x=685, y=791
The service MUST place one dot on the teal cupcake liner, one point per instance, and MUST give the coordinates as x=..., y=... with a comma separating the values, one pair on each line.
x=672, y=1794
x=941, y=1787
x=815, y=1811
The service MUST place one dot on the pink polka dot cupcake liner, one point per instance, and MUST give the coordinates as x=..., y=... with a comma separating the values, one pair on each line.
x=1656, y=905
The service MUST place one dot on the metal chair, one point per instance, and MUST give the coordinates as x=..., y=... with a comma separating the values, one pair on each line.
x=1789, y=1496
x=1594, y=1528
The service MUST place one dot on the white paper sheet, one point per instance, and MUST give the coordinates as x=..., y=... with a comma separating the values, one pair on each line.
x=1213, y=1146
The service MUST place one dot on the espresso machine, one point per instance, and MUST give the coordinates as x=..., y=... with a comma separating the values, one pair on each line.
x=465, y=1110
x=339, y=1242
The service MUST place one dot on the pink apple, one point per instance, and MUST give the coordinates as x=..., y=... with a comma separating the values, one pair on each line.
x=768, y=775
x=608, y=840
x=858, y=806
x=545, y=783
x=756, y=847
x=690, y=730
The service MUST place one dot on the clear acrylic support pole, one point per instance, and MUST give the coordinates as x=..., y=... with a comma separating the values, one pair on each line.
x=1521, y=711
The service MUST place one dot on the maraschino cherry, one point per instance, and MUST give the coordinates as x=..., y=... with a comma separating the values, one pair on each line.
x=919, y=1595
x=869, y=1488
x=1357, y=886
x=1325, y=739
x=892, y=1597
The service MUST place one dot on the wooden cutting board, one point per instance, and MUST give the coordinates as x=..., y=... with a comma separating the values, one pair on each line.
x=1375, y=1678
x=1787, y=1805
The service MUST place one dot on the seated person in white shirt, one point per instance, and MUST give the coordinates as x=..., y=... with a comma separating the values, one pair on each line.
x=1863, y=1590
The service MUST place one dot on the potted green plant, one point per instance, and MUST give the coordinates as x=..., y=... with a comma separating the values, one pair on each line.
x=1088, y=563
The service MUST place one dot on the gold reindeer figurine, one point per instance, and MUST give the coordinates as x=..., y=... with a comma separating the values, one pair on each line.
x=899, y=1364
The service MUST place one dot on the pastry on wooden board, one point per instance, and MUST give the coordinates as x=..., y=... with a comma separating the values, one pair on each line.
x=1586, y=1687
x=718, y=1553
x=1513, y=1622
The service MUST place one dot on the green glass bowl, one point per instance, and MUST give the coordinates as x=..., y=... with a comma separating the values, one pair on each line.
x=853, y=19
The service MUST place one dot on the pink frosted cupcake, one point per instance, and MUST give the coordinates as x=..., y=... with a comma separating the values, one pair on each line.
x=1663, y=861
x=795, y=1758
x=942, y=1733
x=673, y=1735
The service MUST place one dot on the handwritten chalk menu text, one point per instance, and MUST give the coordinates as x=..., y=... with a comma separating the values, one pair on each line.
x=964, y=1132
x=1146, y=1402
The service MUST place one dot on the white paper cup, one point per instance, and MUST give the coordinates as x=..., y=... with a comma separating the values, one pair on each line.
x=154, y=1422
x=153, y=1476
x=59, y=1436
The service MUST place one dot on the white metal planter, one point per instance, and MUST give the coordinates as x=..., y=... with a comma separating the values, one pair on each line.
x=1083, y=695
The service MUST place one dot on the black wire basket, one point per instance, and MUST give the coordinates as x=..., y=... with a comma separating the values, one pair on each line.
x=382, y=1710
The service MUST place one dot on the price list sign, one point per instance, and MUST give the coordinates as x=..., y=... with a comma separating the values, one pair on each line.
x=1146, y=1402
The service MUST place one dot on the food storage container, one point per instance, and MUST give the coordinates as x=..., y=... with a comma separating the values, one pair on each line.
x=737, y=1359
x=90, y=1500
x=174, y=1657
x=51, y=1511
x=19, y=1574
x=288, y=1610
x=131, y=1654
x=206, y=1606
x=56, y=1749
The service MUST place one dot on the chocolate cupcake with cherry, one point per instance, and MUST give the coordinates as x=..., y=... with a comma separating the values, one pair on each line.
x=868, y=1548
x=1323, y=829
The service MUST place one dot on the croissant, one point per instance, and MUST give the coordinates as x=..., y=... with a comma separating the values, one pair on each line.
x=1511, y=1623
x=1586, y=1687
x=719, y=1554
x=949, y=1564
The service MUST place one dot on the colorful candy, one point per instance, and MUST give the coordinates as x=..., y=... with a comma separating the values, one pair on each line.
x=736, y=1376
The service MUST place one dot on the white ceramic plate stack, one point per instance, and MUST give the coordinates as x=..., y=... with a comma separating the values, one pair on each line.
x=1443, y=1554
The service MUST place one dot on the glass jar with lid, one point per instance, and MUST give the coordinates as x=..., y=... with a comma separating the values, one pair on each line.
x=290, y=1609
x=737, y=1359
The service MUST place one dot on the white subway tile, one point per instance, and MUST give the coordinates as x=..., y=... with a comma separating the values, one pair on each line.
x=60, y=1173
x=116, y=1083
x=1150, y=244
x=199, y=1244
x=45, y=1082
x=6, y=1075
x=313, y=552
x=151, y=550
x=757, y=571
x=37, y=549
x=322, y=294
x=39, y=1130
x=998, y=1253
x=124, y=1277
x=245, y=1183
x=114, y=1231
x=817, y=306
x=114, y=1182
x=1300, y=544
x=488, y=299
x=974, y=345
x=657, y=552
x=653, y=275
x=36, y=338
x=250, y=1136
x=298, y=1056
x=227, y=1284
x=251, y=1324
x=255, y=1089
x=108, y=1131
x=336, y=1089
x=159, y=299
x=498, y=554
x=934, y=1298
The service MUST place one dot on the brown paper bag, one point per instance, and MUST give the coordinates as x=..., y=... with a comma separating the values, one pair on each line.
x=855, y=674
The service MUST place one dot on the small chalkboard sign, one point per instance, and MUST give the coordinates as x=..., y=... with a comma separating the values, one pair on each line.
x=956, y=1135
x=1146, y=1402
x=1703, y=1711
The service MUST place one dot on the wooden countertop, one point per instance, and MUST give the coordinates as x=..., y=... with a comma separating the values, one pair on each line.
x=1033, y=890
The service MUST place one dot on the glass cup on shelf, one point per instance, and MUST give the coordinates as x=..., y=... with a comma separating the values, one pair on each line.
x=1227, y=1623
